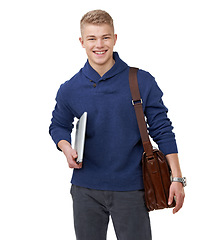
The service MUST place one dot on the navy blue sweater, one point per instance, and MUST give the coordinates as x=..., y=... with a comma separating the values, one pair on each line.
x=113, y=148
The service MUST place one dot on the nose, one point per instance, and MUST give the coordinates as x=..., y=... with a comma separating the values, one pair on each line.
x=99, y=43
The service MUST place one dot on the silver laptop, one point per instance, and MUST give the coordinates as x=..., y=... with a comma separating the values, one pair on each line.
x=80, y=137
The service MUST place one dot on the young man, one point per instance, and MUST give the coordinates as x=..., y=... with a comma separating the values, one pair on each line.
x=109, y=183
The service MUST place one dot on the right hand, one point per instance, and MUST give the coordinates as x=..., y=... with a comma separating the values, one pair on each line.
x=70, y=154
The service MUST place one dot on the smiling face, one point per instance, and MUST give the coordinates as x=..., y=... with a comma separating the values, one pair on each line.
x=98, y=41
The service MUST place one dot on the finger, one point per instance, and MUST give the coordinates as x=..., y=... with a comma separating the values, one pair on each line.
x=80, y=165
x=179, y=203
x=177, y=208
x=73, y=164
x=171, y=196
x=74, y=154
x=77, y=164
x=71, y=159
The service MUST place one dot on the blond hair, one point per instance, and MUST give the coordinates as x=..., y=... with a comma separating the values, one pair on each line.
x=96, y=17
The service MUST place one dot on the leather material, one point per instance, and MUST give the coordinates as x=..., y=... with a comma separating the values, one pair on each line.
x=156, y=171
x=156, y=176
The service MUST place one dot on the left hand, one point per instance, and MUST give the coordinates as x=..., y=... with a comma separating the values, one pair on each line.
x=177, y=190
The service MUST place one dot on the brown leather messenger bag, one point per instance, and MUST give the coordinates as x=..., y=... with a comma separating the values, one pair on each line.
x=156, y=171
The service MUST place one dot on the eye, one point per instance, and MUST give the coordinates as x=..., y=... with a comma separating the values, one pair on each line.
x=91, y=39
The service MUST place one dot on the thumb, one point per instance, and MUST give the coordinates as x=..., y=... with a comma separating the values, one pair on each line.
x=74, y=153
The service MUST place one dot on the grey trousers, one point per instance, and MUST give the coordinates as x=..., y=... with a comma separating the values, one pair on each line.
x=92, y=209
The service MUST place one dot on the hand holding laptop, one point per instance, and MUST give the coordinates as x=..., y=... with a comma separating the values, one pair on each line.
x=80, y=137
x=70, y=154
x=75, y=156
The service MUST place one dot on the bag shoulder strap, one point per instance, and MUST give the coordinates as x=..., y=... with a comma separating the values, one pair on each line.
x=137, y=103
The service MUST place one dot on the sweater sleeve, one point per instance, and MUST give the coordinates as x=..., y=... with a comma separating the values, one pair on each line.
x=159, y=125
x=62, y=120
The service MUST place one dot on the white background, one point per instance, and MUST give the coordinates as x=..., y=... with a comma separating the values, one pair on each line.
x=39, y=50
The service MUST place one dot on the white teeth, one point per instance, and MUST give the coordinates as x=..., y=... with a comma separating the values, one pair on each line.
x=100, y=52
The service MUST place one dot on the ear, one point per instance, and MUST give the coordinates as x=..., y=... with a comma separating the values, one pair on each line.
x=115, y=39
x=81, y=41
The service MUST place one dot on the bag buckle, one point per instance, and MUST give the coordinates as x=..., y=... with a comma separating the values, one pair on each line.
x=137, y=101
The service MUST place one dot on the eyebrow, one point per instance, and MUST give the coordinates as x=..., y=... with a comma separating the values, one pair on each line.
x=108, y=34
x=89, y=36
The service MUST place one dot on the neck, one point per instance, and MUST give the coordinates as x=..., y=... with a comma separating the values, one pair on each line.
x=102, y=69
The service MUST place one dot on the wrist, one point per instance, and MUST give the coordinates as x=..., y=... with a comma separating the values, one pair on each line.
x=64, y=146
x=182, y=180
